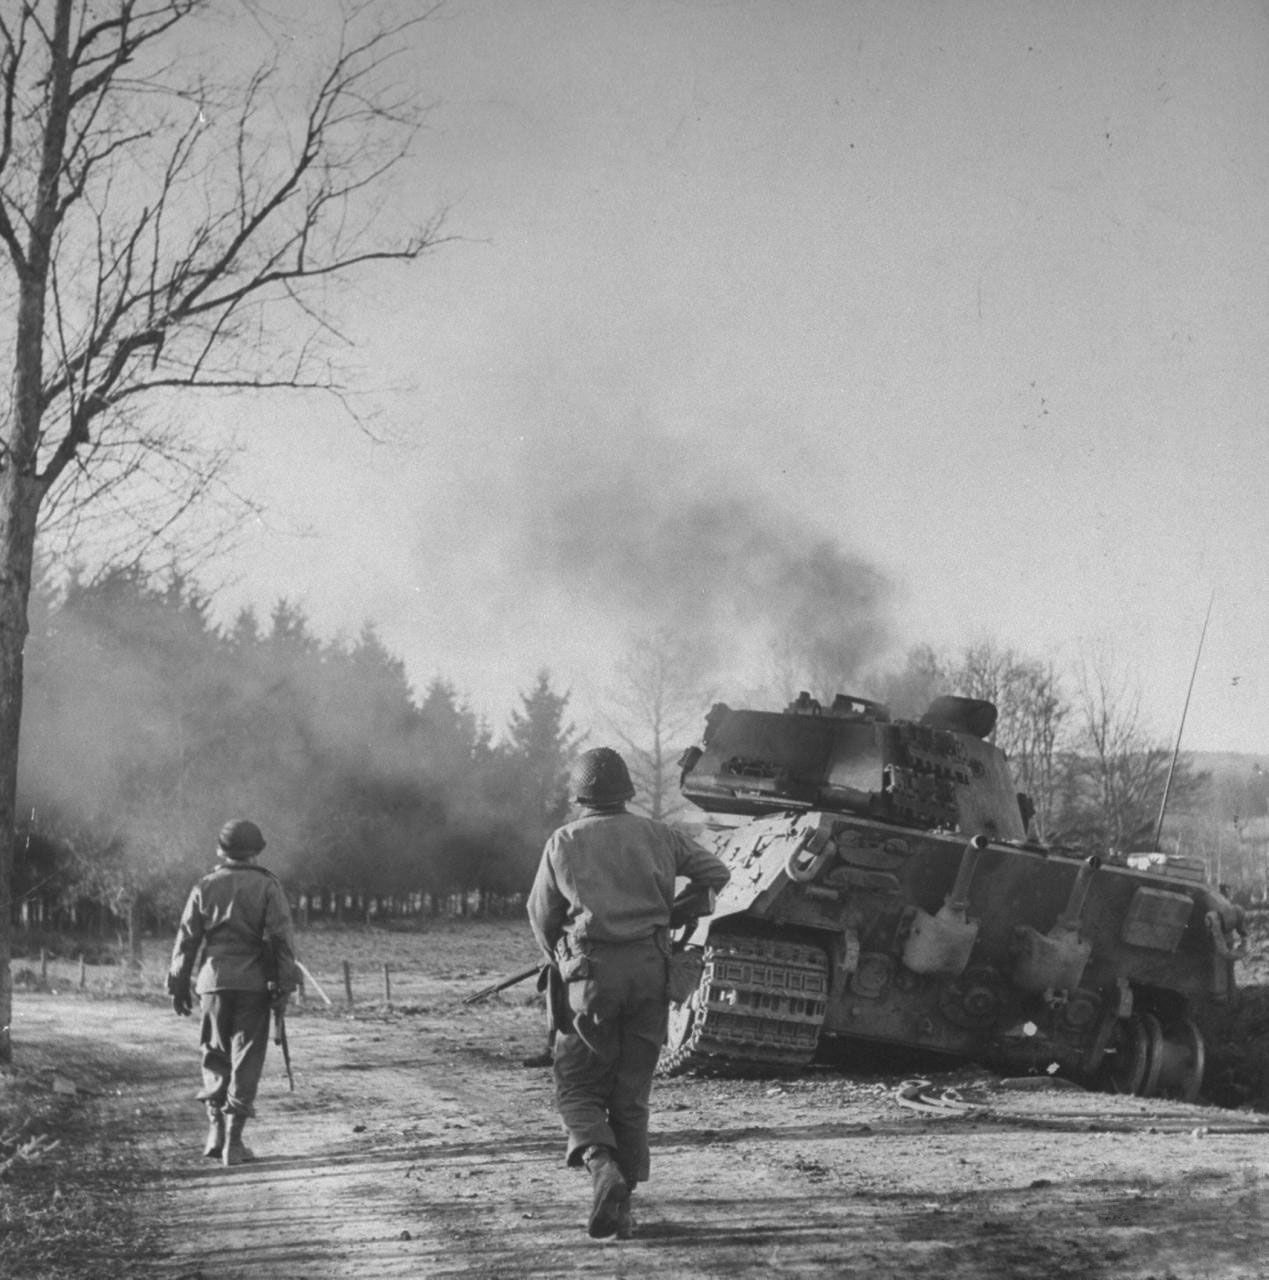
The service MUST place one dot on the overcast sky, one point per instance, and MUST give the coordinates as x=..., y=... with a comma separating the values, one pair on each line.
x=896, y=322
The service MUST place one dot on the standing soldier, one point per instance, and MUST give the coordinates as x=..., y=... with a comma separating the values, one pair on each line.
x=238, y=915
x=600, y=908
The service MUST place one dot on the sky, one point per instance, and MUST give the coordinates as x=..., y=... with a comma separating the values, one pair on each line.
x=874, y=323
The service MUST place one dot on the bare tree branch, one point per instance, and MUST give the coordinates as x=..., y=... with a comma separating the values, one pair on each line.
x=288, y=235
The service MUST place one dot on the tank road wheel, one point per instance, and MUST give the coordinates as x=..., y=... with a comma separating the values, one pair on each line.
x=1126, y=1058
x=759, y=1007
x=1154, y=1054
x=1181, y=1062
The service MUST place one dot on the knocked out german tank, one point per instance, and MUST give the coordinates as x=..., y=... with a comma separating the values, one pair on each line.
x=884, y=890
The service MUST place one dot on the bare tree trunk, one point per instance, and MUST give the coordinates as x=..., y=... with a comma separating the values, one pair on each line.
x=134, y=934
x=20, y=488
x=18, y=505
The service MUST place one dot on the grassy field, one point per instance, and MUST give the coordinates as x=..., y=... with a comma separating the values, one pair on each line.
x=435, y=961
x=424, y=962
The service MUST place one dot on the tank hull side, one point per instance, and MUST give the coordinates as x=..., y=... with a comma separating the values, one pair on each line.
x=1111, y=938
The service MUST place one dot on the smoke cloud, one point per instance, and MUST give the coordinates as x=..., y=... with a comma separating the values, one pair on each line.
x=628, y=526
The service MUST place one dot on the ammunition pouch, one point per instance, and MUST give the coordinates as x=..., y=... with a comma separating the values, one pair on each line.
x=572, y=960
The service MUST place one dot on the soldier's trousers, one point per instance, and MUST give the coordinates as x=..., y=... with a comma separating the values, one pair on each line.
x=234, y=1039
x=604, y=1064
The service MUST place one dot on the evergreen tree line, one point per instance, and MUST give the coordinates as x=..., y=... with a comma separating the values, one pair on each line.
x=146, y=727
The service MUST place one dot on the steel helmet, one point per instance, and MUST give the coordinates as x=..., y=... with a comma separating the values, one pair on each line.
x=599, y=778
x=240, y=838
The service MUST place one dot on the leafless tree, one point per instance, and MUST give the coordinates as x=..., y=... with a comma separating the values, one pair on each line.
x=1117, y=772
x=910, y=689
x=660, y=707
x=1032, y=717
x=1039, y=741
x=161, y=236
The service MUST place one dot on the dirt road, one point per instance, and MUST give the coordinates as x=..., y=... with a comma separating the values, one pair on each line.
x=415, y=1144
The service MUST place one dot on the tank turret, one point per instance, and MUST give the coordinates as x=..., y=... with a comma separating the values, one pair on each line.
x=886, y=890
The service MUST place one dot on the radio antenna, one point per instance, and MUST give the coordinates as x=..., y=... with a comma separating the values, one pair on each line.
x=1176, y=750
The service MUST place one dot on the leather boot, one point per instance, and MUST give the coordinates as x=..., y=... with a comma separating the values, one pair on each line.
x=625, y=1220
x=215, y=1131
x=609, y=1191
x=234, y=1152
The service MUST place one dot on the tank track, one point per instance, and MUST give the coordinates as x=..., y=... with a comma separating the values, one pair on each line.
x=759, y=1006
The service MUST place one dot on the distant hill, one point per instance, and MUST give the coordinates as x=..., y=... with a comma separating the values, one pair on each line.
x=1240, y=783
x=1225, y=764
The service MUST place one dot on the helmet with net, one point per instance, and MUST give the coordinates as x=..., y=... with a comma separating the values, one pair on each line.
x=600, y=778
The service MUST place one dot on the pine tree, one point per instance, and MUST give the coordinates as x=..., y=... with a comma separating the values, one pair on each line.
x=541, y=747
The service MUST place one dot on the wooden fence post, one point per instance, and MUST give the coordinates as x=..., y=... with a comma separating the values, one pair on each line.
x=387, y=985
x=348, y=981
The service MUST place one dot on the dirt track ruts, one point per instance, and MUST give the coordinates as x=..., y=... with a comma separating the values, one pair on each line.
x=416, y=1145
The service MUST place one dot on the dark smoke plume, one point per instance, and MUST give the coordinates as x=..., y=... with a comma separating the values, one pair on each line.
x=741, y=577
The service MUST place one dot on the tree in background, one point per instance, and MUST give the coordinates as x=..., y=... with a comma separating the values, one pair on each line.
x=910, y=689
x=147, y=727
x=540, y=749
x=659, y=709
x=1031, y=714
x=1116, y=771
x=471, y=846
x=1245, y=812
x=1032, y=710
x=1230, y=831
x=1039, y=737
x=355, y=783
x=118, y=731
x=160, y=237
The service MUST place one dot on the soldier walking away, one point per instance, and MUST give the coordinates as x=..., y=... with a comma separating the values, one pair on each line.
x=238, y=918
x=600, y=909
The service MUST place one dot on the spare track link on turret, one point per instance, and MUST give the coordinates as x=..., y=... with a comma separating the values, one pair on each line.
x=760, y=1004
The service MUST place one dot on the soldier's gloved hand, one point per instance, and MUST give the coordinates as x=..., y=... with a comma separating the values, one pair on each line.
x=182, y=1004
x=279, y=1000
